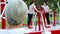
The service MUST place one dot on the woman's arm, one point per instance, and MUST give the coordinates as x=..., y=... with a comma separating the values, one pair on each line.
x=36, y=9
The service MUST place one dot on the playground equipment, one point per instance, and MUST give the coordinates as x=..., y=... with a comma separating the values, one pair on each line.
x=44, y=24
x=3, y=2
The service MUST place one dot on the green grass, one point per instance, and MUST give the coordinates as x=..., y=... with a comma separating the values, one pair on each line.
x=0, y=24
x=25, y=21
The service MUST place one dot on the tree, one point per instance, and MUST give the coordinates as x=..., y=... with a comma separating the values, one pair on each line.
x=52, y=3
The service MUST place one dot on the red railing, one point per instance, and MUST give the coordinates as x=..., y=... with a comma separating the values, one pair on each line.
x=52, y=32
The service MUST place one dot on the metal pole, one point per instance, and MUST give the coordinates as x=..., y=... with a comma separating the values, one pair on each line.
x=3, y=20
x=39, y=22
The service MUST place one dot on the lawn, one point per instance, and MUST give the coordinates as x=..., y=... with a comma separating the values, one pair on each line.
x=0, y=24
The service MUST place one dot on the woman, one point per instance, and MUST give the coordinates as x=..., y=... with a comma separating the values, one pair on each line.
x=32, y=8
x=46, y=8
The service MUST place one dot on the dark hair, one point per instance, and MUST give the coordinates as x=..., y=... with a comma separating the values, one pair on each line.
x=45, y=3
x=32, y=2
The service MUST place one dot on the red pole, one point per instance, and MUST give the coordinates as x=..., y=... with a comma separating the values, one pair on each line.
x=44, y=18
x=3, y=20
x=39, y=21
x=3, y=23
x=2, y=7
x=54, y=15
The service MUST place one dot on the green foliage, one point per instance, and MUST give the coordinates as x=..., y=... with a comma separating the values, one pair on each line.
x=52, y=3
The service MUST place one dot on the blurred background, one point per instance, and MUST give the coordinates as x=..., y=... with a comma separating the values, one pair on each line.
x=53, y=4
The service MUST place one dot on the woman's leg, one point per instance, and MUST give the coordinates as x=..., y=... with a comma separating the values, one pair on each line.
x=47, y=17
x=29, y=18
